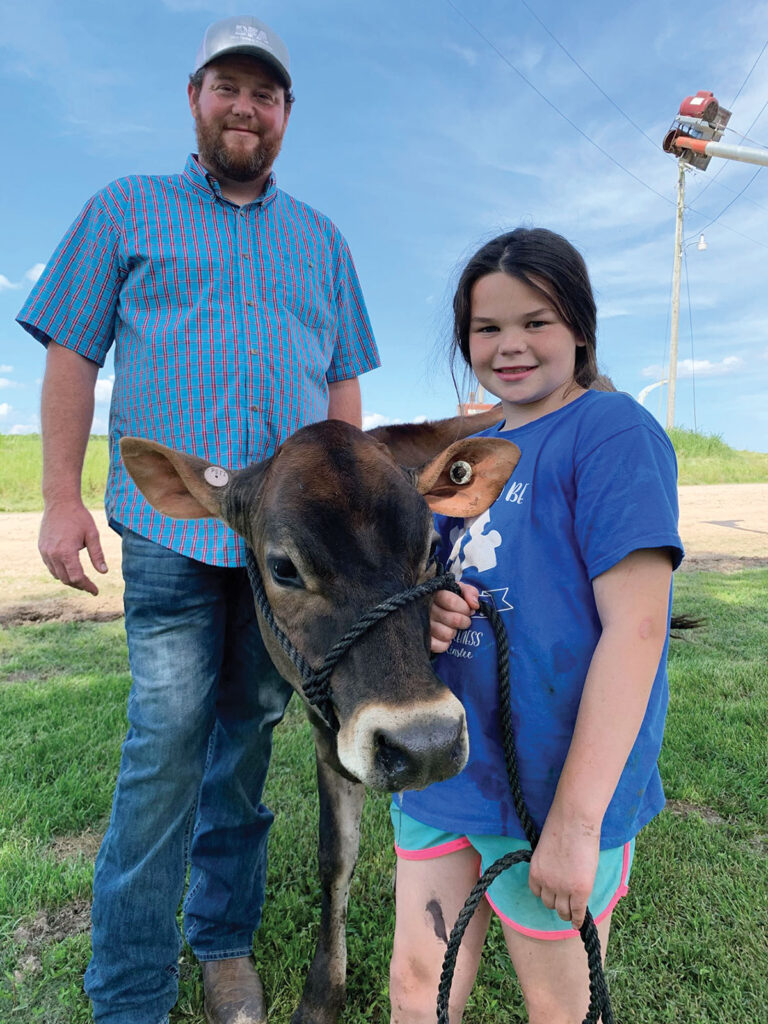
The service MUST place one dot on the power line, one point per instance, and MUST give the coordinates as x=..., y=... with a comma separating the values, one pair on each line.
x=554, y=106
x=503, y=57
x=737, y=196
x=584, y=71
x=690, y=324
x=757, y=58
x=733, y=101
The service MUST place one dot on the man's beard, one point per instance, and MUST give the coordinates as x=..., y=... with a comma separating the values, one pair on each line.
x=222, y=162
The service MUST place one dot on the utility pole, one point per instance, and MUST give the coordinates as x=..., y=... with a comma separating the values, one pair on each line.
x=700, y=119
x=693, y=139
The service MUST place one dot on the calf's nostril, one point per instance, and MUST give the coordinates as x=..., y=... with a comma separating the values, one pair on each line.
x=391, y=757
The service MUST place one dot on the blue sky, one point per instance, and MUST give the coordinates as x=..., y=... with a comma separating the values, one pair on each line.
x=414, y=132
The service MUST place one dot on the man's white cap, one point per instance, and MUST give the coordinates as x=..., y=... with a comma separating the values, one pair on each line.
x=245, y=34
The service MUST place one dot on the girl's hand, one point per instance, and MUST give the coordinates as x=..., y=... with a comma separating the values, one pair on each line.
x=449, y=613
x=563, y=868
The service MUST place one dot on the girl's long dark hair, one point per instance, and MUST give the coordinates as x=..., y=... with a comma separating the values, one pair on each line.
x=548, y=263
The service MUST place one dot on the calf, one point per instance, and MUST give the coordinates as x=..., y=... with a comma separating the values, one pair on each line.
x=338, y=521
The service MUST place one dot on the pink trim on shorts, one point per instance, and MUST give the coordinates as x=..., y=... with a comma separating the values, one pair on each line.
x=433, y=851
x=570, y=933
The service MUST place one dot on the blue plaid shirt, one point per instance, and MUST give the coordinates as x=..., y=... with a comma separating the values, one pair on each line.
x=228, y=322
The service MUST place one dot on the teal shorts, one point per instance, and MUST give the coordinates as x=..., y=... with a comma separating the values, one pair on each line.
x=509, y=895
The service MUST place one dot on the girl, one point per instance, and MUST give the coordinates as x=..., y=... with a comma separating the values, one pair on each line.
x=577, y=553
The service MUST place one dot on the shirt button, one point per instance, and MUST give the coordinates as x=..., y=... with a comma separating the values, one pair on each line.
x=254, y=408
x=246, y=256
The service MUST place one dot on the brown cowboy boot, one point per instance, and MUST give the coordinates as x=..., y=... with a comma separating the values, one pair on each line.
x=233, y=992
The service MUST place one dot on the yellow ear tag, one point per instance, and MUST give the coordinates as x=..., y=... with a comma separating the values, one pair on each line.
x=460, y=472
x=216, y=476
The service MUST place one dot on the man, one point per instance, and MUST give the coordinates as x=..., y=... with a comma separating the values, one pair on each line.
x=237, y=318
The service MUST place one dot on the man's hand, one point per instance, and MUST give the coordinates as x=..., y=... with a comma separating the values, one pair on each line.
x=450, y=613
x=65, y=530
x=563, y=867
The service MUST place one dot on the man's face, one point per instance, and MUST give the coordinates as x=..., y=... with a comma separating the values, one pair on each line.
x=240, y=118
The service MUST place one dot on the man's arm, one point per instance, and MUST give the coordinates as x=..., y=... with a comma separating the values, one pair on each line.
x=66, y=415
x=344, y=401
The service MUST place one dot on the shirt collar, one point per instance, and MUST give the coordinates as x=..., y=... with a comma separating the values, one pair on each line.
x=196, y=176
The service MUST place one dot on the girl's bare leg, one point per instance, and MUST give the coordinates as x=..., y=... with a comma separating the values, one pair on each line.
x=429, y=896
x=553, y=975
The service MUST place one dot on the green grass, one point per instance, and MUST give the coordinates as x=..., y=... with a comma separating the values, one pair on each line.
x=702, y=459
x=689, y=942
x=21, y=468
x=707, y=459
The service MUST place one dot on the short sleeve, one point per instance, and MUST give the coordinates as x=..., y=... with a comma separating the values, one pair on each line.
x=75, y=301
x=355, y=351
x=626, y=498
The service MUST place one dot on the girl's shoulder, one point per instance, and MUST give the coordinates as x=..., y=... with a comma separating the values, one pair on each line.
x=584, y=423
x=602, y=415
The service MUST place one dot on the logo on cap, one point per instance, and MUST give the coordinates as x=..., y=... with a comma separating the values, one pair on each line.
x=253, y=36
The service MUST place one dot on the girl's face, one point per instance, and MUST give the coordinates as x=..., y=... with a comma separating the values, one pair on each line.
x=520, y=349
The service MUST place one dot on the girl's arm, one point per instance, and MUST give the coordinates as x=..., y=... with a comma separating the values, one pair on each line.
x=632, y=601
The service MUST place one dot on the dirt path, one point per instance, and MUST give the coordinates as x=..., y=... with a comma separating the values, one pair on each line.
x=724, y=528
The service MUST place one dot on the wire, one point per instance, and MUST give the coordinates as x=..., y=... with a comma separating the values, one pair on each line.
x=765, y=44
x=746, y=138
x=722, y=168
x=693, y=359
x=737, y=196
x=554, y=106
x=669, y=201
x=583, y=70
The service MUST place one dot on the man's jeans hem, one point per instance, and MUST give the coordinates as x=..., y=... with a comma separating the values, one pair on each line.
x=223, y=954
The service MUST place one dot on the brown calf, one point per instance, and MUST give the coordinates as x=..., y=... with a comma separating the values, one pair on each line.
x=339, y=520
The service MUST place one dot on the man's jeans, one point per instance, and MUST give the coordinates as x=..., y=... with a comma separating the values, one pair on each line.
x=204, y=699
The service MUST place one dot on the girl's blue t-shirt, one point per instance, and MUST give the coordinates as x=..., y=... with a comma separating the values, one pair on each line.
x=596, y=480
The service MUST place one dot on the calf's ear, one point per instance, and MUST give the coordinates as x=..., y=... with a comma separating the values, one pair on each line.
x=178, y=485
x=411, y=444
x=466, y=478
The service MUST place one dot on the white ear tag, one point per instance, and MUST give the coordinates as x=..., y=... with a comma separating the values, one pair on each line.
x=460, y=472
x=216, y=476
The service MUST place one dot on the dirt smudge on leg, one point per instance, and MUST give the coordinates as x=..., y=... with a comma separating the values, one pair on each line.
x=435, y=911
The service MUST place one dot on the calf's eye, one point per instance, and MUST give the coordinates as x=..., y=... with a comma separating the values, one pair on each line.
x=284, y=572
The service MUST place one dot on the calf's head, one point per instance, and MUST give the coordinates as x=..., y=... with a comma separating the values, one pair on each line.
x=336, y=527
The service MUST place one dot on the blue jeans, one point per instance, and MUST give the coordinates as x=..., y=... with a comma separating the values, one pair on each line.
x=204, y=700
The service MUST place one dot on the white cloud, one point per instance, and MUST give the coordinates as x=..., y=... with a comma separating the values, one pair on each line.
x=467, y=54
x=103, y=389
x=9, y=369
x=30, y=277
x=6, y=382
x=4, y=410
x=24, y=428
x=377, y=419
x=698, y=368
x=33, y=274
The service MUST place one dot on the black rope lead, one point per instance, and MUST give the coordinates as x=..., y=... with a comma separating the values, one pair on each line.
x=316, y=687
x=316, y=683
x=599, y=997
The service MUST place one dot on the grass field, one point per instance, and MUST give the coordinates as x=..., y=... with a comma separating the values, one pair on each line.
x=702, y=458
x=690, y=943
